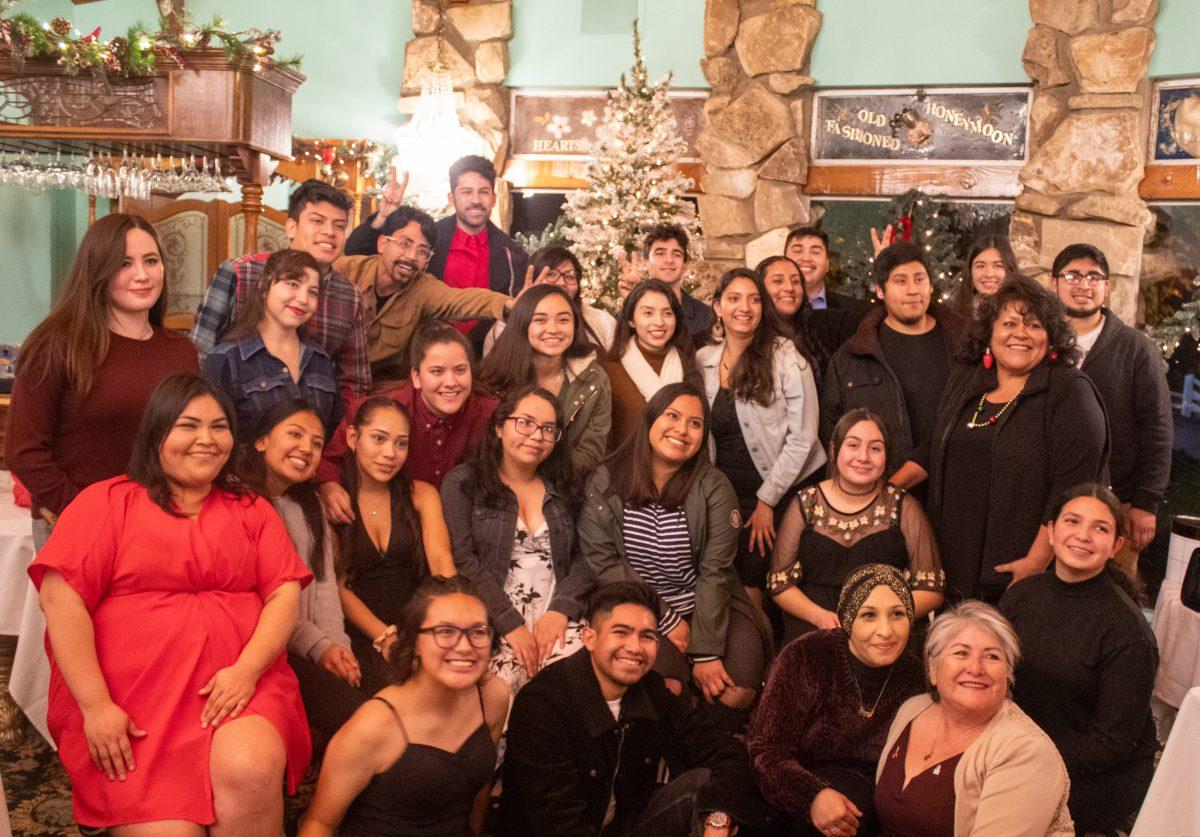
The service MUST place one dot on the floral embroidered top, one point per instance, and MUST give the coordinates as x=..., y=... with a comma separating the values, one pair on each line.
x=819, y=545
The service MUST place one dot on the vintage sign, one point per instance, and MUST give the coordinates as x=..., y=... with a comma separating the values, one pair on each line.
x=1175, y=133
x=944, y=125
x=561, y=124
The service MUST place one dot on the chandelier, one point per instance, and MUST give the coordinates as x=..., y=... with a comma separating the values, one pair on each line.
x=434, y=138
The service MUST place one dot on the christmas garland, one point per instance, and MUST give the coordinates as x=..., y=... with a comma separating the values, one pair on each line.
x=138, y=52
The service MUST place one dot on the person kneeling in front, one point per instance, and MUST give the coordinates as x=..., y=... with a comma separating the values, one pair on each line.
x=587, y=736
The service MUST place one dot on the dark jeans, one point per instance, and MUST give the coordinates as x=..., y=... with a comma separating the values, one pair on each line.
x=743, y=657
x=671, y=811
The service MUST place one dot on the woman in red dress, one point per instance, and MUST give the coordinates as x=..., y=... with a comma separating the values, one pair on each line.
x=169, y=597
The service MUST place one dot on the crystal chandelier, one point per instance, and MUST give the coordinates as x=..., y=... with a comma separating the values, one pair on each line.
x=434, y=138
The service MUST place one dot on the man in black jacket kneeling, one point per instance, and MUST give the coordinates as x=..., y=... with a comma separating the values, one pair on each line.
x=587, y=739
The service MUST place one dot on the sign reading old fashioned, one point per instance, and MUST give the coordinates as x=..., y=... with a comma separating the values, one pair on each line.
x=1175, y=134
x=561, y=124
x=944, y=125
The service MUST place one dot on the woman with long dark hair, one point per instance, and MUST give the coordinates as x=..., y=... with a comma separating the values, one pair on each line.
x=1018, y=424
x=784, y=283
x=279, y=464
x=989, y=262
x=86, y=372
x=1088, y=660
x=556, y=265
x=169, y=595
x=657, y=511
x=418, y=756
x=265, y=357
x=511, y=510
x=397, y=537
x=651, y=349
x=763, y=396
x=851, y=519
x=545, y=345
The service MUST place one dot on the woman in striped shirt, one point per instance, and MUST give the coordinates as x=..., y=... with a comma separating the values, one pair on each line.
x=657, y=511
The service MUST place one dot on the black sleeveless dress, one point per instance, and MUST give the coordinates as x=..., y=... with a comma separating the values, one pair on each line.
x=384, y=582
x=427, y=792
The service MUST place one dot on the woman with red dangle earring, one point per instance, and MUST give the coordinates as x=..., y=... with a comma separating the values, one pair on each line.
x=1017, y=425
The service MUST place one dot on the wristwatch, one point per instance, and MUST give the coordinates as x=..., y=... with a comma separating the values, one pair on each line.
x=718, y=819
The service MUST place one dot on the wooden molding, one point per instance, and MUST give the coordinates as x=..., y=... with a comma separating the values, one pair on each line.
x=1166, y=183
x=886, y=180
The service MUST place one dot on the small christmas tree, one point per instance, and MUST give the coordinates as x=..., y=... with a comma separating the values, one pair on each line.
x=632, y=185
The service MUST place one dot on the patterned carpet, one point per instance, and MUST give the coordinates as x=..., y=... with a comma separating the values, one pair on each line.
x=38, y=791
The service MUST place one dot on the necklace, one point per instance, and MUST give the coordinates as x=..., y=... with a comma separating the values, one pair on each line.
x=976, y=424
x=862, y=710
x=952, y=744
x=849, y=493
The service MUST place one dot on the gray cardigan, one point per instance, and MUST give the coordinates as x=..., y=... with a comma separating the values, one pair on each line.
x=321, y=622
x=481, y=538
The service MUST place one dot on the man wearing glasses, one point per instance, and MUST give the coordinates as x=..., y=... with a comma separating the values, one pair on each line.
x=398, y=293
x=1128, y=371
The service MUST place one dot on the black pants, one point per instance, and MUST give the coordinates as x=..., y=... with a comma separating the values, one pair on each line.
x=743, y=657
x=1104, y=801
x=329, y=701
x=671, y=811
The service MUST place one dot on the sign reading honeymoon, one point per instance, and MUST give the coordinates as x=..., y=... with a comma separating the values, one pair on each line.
x=946, y=125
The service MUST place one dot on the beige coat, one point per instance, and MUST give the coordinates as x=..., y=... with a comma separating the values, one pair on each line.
x=1011, y=782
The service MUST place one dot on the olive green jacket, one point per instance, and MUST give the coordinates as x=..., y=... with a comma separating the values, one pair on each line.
x=586, y=399
x=714, y=523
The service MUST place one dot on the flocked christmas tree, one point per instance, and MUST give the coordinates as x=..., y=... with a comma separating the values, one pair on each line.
x=632, y=184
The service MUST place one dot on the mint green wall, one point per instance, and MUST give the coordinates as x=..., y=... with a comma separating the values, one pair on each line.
x=1177, y=25
x=882, y=42
x=551, y=49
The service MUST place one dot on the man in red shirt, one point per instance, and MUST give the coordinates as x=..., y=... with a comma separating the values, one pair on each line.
x=448, y=417
x=471, y=251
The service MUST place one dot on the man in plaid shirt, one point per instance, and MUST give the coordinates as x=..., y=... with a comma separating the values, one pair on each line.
x=317, y=219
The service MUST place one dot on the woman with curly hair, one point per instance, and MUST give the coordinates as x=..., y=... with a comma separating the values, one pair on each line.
x=1018, y=425
x=416, y=757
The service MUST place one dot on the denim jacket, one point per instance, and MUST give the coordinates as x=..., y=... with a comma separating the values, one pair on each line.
x=481, y=537
x=782, y=438
x=255, y=379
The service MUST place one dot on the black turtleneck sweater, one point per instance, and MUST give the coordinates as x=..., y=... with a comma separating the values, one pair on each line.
x=1088, y=660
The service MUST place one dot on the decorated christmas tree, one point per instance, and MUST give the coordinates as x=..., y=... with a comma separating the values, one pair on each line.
x=632, y=185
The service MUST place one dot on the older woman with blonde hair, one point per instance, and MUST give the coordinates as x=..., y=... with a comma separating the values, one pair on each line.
x=964, y=759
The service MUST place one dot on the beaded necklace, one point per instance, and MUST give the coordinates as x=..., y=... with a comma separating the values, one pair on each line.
x=976, y=424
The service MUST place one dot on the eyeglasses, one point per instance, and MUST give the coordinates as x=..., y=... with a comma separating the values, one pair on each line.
x=568, y=277
x=1072, y=277
x=407, y=245
x=526, y=426
x=446, y=636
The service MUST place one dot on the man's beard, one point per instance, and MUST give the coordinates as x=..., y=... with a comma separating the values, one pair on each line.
x=1082, y=313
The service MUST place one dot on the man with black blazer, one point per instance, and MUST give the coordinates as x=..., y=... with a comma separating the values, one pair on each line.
x=1129, y=373
x=471, y=251
x=834, y=316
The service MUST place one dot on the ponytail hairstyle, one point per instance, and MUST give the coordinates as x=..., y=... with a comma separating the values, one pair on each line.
x=403, y=512
x=1132, y=586
x=251, y=469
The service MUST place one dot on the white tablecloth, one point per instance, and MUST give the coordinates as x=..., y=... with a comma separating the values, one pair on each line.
x=16, y=552
x=1172, y=806
x=1177, y=629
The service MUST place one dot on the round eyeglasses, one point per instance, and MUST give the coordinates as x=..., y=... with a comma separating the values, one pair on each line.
x=525, y=426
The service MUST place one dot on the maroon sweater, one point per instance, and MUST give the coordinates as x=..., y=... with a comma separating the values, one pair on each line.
x=59, y=443
x=809, y=717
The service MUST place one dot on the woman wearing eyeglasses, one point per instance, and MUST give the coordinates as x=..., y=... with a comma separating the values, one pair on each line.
x=558, y=266
x=511, y=510
x=417, y=757
x=397, y=537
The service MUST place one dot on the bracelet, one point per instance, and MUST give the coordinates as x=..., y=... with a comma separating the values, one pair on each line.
x=390, y=630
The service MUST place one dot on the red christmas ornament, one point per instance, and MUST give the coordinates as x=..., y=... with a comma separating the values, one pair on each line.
x=988, y=360
x=903, y=229
x=92, y=36
x=328, y=155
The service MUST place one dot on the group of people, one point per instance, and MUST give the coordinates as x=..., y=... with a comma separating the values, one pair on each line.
x=406, y=499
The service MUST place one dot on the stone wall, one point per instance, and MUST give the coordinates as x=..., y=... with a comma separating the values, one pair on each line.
x=1090, y=116
x=475, y=52
x=754, y=147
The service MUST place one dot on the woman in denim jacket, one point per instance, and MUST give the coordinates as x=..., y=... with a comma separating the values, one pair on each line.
x=265, y=357
x=511, y=511
x=763, y=398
